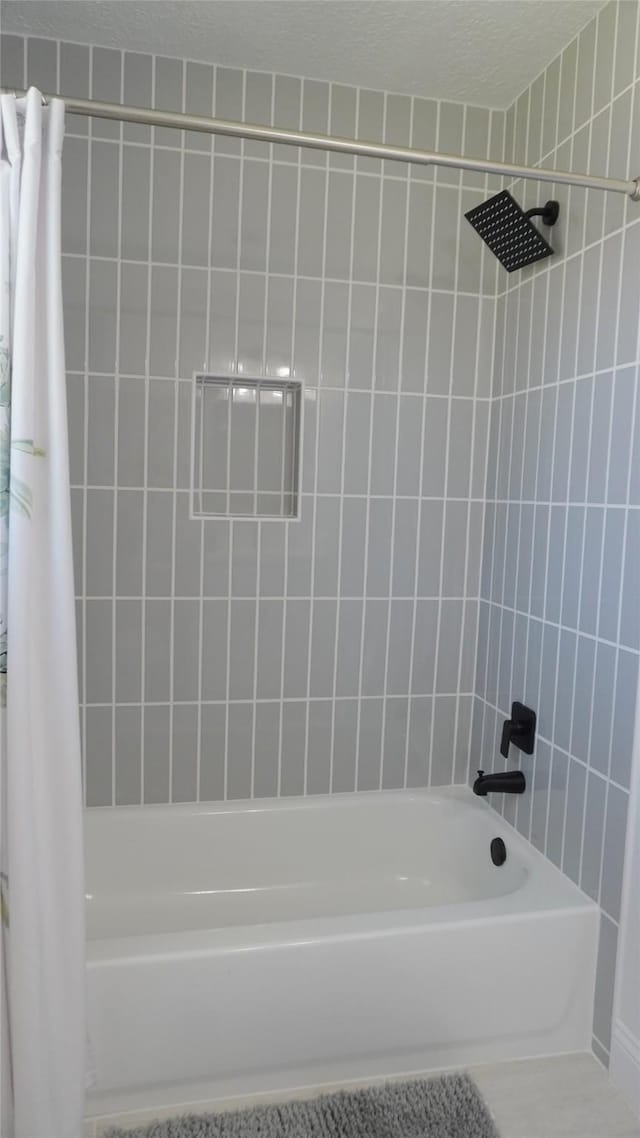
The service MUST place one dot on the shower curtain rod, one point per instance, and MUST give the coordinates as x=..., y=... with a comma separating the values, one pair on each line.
x=201, y=123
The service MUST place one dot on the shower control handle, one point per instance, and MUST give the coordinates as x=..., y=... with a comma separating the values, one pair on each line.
x=519, y=730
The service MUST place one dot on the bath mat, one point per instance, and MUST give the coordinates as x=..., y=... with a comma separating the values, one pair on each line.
x=450, y=1106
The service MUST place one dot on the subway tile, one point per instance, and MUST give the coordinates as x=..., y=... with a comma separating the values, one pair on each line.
x=345, y=745
x=129, y=542
x=156, y=746
x=593, y=832
x=186, y=650
x=159, y=546
x=418, y=743
x=340, y=209
x=102, y=316
x=330, y=435
x=440, y=346
x=215, y=618
x=100, y=430
x=611, y=579
x=319, y=747
x=423, y=664
x=434, y=448
x=128, y=651
x=296, y=648
x=241, y=648
x=310, y=223
x=624, y=717
x=185, y=753
x=585, y=663
x=348, y=653
x=420, y=205
x=410, y=413
x=370, y=745
x=382, y=456
x=128, y=756
x=399, y=646
x=323, y=648
x=267, y=747
x=630, y=613
x=354, y=525
x=308, y=299
x=212, y=752
x=334, y=337
x=394, y=743
x=387, y=351
x=157, y=658
x=455, y=549
x=444, y=724
x=99, y=651
x=99, y=749
x=269, y=649
x=253, y=217
x=576, y=787
x=430, y=549
x=134, y=316
x=557, y=806
x=239, y=750
x=449, y=646
x=405, y=535
x=613, y=851
x=540, y=795
x=379, y=548
x=163, y=321
x=293, y=747
x=357, y=435
x=413, y=356
x=99, y=542
x=374, y=647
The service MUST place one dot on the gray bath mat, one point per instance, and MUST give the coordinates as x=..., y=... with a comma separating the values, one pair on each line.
x=447, y=1107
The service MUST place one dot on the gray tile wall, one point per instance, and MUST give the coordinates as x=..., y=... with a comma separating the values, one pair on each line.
x=236, y=659
x=560, y=612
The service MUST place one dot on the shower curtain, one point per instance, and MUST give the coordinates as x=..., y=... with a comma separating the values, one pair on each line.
x=42, y=857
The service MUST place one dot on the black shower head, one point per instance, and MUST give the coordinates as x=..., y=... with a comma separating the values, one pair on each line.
x=508, y=230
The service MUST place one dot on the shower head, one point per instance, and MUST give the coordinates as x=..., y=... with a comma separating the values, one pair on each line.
x=508, y=231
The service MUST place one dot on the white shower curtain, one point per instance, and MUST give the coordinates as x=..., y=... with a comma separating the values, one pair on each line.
x=42, y=883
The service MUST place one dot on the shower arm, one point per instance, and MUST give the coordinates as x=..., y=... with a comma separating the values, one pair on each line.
x=204, y=125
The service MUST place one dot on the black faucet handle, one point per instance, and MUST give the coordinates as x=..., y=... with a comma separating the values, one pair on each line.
x=507, y=734
x=520, y=730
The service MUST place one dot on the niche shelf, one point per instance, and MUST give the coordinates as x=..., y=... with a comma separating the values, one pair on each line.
x=246, y=445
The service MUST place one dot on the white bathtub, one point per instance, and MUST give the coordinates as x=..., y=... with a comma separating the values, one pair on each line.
x=256, y=947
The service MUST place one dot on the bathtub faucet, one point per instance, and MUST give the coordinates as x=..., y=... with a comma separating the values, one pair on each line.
x=505, y=782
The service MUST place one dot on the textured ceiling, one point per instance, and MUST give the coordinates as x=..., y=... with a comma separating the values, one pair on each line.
x=478, y=51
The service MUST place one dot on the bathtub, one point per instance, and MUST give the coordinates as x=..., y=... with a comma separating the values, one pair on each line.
x=249, y=948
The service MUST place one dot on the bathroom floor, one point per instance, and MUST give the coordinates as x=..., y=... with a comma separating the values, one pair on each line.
x=564, y=1097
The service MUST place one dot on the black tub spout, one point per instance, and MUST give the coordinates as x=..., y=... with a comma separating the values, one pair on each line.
x=506, y=782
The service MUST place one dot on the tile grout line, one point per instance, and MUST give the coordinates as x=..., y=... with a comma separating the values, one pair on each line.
x=116, y=407
x=192, y=402
x=172, y=611
x=85, y=505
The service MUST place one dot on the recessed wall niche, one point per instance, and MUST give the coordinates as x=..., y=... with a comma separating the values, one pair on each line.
x=246, y=447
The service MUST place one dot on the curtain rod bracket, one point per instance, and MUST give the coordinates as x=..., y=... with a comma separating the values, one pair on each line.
x=635, y=196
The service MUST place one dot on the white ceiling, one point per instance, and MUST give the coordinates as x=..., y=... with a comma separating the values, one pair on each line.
x=478, y=51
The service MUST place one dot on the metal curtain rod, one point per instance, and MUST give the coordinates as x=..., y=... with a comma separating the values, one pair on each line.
x=204, y=125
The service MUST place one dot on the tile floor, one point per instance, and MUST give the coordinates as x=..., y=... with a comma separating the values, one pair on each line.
x=568, y=1096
